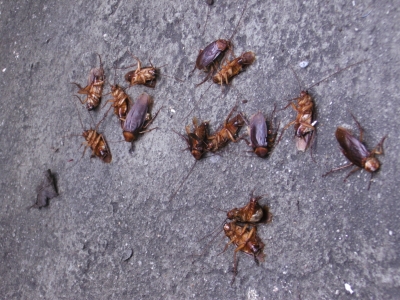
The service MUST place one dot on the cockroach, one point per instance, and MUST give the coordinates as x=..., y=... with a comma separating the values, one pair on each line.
x=94, y=88
x=246, y=240
x=252, y=212
x=138, y=118
x=120, y=102
x=262, y=138
x=197, y=139
x=96, y=142
x=228, y=132
x=356, y=152
x=144, y=76
x=209, y=58
x=46, y=190
x=233, y=68
x=304, y=124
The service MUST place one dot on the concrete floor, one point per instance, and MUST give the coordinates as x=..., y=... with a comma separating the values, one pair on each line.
x=328, y=239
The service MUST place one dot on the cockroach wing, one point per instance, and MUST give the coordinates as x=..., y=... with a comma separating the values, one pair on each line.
x=351, y=147
x=258, y=130
x=137, y=115
x=208, y=55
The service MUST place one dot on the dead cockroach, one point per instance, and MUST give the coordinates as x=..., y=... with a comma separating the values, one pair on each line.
x=228, y=132
x=94, y=88
x=262, y=139
x=304, y=124
x=233, y=68
x=356, y=152
x=252, y=213
x=46, y=190
x=197, y=140
x=138, y=118
x=120, y=102
x=96, y=142
x=197, y=145
x=144, y=76
x=209, y=58
x=246, y=240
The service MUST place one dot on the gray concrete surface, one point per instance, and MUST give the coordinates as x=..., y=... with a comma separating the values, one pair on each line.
x=326, y=235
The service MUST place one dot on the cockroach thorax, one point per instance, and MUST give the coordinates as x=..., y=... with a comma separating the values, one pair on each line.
x=371, y=164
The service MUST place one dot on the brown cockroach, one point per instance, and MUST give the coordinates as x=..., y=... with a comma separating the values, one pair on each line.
x=228, y=132
x=246, y=240
x=233, y=68
x=120, y=102
x=46, y=190
x=304, y=124
x=356, y=152
x=262, y=138
x=197, y=139
x=138, y=118
x=94, y=88
x=209, y=58
x=252, y=212
x=96, y=142
x=143, y=76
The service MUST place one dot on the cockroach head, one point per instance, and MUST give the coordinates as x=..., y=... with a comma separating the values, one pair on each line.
x=197, y=154
x=372, y=164
x=248, y=58
x=238, y=120
x=222, y=45
x=232, y=214
x=129, y=136
x=261, y=152
x=129, y=76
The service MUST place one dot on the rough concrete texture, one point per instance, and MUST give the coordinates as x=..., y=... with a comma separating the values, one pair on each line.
x=112, y=232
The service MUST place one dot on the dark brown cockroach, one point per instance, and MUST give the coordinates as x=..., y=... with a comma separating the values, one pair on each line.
x=138, y=118
x=356, y=152
x=233, y=68
x=197, y=139
x=120, y=102
x=228, y=132
x=252, y=212
x=304, y=124
x=246, y=240
x=146, y=76
x=46, y=190
x=262, y=138
x=210, y=57
x=94, y=88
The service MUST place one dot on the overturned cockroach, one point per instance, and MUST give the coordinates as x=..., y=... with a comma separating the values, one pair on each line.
x=262, y=138
x=94, y=88
x=304, y=124
x=120, y=102
x=356, y=152
x=228, y=132
x=46, y=190
x=210, y=57
x=252, y=212
x=96, y=142
x=146, y=76
x=138, y=118
x=233, y=68
x=246, y=240
x=197, y=140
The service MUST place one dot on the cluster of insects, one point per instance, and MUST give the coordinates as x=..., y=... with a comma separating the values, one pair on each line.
x=220, y=64
x=134, y=118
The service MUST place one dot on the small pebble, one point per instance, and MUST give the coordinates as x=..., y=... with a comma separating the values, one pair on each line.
x=303, y=64
x=127, y=254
